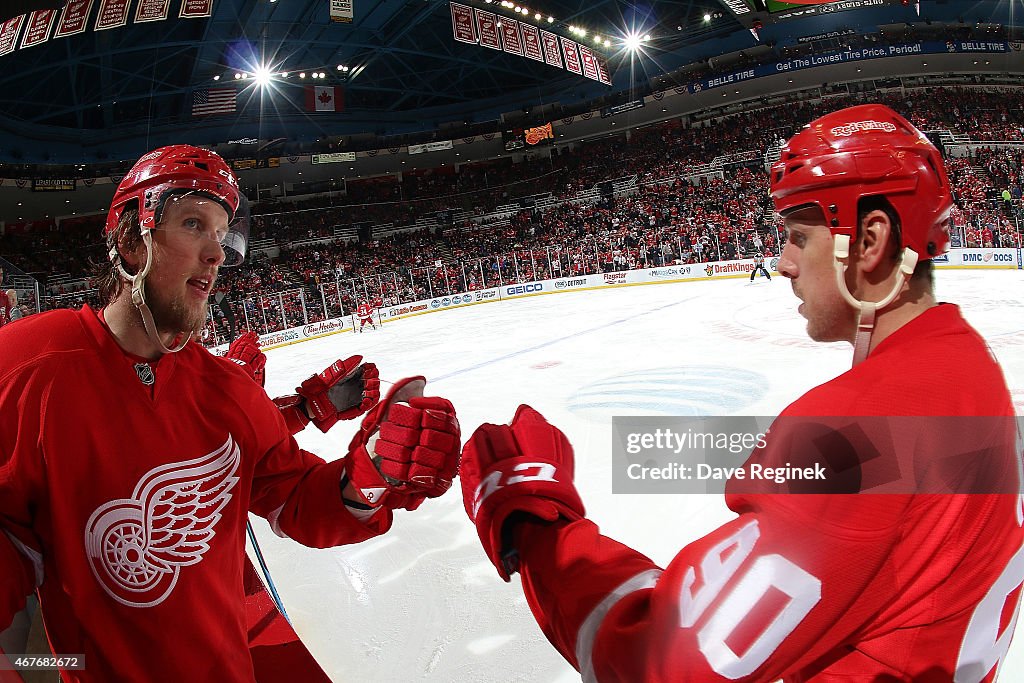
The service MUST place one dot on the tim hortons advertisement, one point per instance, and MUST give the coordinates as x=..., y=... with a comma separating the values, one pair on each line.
x=325, y=327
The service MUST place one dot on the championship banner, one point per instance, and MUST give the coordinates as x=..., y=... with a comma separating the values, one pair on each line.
x=551, y=54
x=37, y=31
x=112, y=14
x=510, y=37
x=195, y=9
x=152, y=10
x=462, y=23
x=602, y=70
x=341, y=11
x=73, y=18
x=487, y=29
x=9, y=31
x=589, y=63
x=531, y=42
x=572, y=56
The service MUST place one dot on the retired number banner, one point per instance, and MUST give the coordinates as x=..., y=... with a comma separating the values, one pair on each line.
x=73, y=18
x=462, y=23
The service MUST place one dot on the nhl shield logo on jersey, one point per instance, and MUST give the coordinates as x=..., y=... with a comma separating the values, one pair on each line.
x=137, y=546
x=145, y=373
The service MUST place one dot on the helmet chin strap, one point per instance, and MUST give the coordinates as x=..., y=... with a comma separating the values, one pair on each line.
x=867, y=309
x=138, y=282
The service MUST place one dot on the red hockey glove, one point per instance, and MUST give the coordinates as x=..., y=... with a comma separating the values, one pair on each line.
x=343, y=391
x=246, y=352
x=526, y=468
x=406, y=450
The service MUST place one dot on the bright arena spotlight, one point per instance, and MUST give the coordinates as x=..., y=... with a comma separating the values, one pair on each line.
x=262, y=76
x=632, y=42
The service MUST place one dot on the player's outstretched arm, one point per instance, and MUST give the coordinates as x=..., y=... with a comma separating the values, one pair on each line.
x=344, y=390
x=406, y=450
x=736, y=605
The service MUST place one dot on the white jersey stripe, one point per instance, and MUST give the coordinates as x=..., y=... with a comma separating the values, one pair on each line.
x=592, y=624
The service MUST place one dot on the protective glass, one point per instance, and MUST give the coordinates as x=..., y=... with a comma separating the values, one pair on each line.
x=233, y=238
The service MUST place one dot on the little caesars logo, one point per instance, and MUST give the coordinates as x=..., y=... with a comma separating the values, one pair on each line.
x=865, y=126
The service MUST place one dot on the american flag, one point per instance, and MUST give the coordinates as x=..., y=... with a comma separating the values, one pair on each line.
x=215, y=101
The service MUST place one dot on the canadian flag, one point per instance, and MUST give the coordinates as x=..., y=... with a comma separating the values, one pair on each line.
x=323, y=98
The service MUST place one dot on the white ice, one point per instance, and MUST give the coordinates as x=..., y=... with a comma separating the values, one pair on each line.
x=422, y=603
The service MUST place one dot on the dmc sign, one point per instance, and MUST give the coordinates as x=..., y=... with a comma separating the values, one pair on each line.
x=524, y=289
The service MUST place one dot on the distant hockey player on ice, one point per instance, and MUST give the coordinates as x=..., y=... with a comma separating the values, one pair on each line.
x=759, y=267
x=365, y=315
x=130, y=456
x=920, y=584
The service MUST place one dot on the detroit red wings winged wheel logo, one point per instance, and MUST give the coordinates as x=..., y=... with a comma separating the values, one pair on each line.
x=137, y=546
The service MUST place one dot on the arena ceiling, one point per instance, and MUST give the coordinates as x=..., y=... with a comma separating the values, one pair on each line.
x=109, y=94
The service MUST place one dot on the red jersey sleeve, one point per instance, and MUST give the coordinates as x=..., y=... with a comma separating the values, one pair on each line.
x=296, y=491
x=741, y=604
x=21, y=567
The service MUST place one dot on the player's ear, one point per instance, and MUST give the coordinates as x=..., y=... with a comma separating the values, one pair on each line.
x=873, y=245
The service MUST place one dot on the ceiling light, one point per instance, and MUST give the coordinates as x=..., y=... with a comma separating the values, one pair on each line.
x=262, y=76
x=216, y=78
x=707, y=18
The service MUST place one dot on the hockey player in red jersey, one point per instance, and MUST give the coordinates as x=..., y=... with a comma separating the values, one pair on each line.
x=913, y=585
x=130, y=456
x=365, y=314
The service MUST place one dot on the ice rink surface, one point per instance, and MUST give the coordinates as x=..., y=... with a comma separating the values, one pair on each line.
x=422, y=603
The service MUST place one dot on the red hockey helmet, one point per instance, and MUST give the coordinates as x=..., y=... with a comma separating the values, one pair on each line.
x=864, y=151
x=177, y=170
